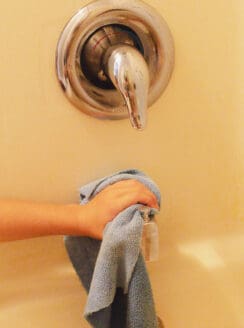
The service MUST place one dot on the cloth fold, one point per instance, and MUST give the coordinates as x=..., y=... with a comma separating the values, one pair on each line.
x=113, y=270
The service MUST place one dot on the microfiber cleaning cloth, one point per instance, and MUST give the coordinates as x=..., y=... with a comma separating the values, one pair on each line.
x=113, y=270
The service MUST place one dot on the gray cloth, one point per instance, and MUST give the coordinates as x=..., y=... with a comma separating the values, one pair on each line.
x=113, y=271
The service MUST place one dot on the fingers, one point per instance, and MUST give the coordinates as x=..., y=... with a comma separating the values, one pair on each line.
x=132, y=191
x=145, y=198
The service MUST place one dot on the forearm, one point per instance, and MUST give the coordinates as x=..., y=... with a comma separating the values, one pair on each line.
x=24, y=219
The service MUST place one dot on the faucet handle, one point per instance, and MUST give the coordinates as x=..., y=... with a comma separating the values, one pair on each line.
x=128, y=71
x=128, y=31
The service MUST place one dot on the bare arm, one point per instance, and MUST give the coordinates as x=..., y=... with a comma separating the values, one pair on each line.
x=25, y=219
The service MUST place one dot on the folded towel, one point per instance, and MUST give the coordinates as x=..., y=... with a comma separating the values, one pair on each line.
x=113, y=270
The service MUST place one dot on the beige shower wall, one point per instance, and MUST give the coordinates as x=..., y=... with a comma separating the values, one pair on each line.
x=193, y=148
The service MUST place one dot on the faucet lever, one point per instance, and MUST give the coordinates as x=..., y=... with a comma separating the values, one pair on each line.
x=128, y=71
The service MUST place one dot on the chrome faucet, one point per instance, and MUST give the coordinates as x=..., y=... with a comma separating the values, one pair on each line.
x=114, y=59
x=128, y=71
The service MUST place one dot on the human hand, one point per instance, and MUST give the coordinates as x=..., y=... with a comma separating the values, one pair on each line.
x=93, y=216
